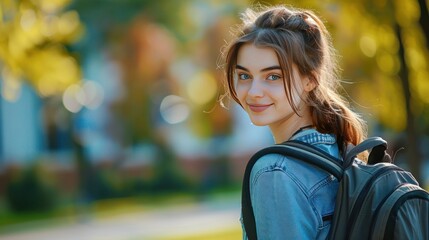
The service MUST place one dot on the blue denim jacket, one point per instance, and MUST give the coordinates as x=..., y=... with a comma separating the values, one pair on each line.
x=290, y=198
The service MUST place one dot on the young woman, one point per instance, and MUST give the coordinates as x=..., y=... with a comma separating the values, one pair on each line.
x=281, y=70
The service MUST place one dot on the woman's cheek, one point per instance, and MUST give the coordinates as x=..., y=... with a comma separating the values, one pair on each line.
x=241, y=92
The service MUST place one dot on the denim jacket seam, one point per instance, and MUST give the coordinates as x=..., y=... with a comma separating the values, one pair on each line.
x=259, y=173
x=315, y=211
x=326, y=181
x=322, y=183
x=287, y=173
x=275, y=165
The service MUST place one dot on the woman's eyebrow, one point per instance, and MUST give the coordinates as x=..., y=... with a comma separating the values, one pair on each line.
x=242, y=68
x=262, y=70
x=271, y=68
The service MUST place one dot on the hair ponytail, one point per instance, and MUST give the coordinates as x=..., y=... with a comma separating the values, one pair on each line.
x=332, y=114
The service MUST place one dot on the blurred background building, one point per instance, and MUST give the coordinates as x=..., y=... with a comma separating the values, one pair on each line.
x=108, y=99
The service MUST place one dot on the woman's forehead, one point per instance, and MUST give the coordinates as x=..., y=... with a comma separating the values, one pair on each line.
x=254, y=57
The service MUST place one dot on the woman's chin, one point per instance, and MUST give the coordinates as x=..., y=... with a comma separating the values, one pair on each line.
x=259, y=124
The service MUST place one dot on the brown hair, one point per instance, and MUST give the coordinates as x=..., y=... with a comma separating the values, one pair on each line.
x=299, y=37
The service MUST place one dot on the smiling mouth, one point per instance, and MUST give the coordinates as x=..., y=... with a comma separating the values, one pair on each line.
x=258, y=108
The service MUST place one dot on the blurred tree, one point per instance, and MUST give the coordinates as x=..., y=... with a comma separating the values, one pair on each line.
x=411, y=56
x=413, y=137
x=424, y=19
x=147, y=38
x=33, y=39
x=141, y=36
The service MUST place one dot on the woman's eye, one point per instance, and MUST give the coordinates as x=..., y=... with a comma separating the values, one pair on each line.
x=243, y=76
x=273, y=77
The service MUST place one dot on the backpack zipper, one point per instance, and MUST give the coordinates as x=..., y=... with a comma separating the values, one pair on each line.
x=361, y=198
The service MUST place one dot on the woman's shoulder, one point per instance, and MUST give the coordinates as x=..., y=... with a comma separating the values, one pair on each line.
x=301, y=172
x=272, y=167
x=269, y=162
x=292, y=167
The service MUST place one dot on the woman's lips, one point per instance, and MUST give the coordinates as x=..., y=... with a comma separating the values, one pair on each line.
x=258, y=107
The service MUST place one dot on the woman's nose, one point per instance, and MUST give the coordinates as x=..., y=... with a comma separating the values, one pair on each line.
x=256, y=89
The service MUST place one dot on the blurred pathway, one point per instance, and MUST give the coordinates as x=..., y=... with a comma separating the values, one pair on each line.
x=180, y=220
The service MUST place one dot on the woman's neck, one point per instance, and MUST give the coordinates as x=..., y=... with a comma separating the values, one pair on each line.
x=284, y=129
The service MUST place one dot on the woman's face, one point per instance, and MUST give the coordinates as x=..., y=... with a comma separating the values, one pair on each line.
x=260, y=86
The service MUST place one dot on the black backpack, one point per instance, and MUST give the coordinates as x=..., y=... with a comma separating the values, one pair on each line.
x=377, y=200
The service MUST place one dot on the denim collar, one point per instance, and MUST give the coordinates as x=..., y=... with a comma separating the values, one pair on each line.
x=312, y=136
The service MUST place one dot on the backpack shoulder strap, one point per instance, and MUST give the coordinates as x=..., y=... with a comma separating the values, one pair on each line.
x=295, y=149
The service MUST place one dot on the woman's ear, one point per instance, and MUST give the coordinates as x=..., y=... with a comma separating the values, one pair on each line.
x=309, y=83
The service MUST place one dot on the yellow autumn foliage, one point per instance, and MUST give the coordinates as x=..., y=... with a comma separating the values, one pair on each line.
x=32, y=39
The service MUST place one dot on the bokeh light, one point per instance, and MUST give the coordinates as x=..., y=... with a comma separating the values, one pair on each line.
x=89, y=95
x=368, y=45
x=202, y=88
x=174, y=109
x=387, y=63
x=71, y=98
